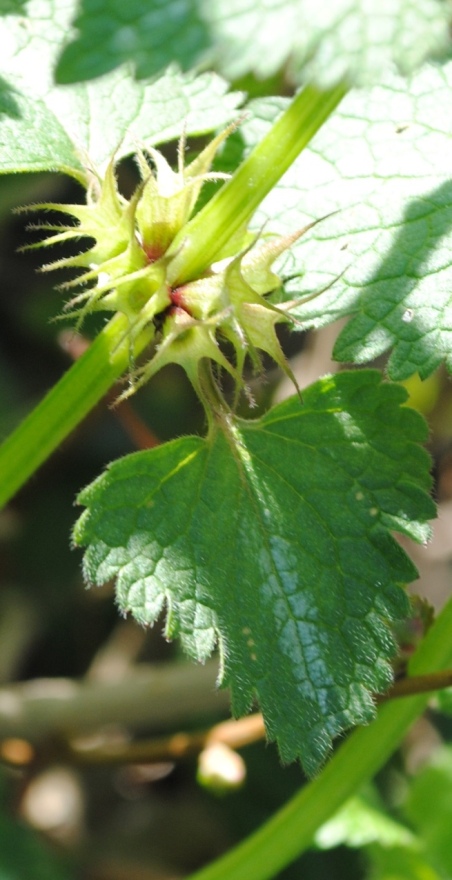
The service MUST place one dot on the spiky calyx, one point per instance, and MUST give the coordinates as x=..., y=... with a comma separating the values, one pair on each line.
x=128, y=269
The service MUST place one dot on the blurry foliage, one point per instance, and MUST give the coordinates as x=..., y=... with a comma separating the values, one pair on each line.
x=24, y=855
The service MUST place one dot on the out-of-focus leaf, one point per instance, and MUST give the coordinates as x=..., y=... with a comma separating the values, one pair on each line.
x=66, y=128
x=326, y=41
x=429, y=808
x=23, y=855
x=360, y=823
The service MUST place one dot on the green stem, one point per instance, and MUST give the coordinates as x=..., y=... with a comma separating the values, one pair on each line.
x=230, y=209
x=66, y=405
x=290, y=832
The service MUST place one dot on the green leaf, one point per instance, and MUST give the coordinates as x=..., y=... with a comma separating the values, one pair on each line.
x=401, y=863
x=275, y=538
x=48, y=127
x=382, y=162
x=361, y=822
x=151, y=34
x=391, y=849
x=323, y=41
x=444, y=701
x=428, y=808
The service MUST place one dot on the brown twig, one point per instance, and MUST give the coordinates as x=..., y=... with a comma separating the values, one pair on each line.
x=235, y=734
x=418, y=684
x=141, y=436
x=232, y=733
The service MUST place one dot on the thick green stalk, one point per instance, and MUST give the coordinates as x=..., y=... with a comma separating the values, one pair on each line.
x=231, y=208
x=290, y=832
x=65, y=405
x=196, y=247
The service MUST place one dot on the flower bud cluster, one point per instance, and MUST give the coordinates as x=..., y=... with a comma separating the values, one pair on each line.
x=127, y=269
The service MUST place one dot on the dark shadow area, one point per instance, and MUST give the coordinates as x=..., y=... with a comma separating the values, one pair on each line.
x=8, y=103
x=151, y=35
x=13, y=7
x=384, y=316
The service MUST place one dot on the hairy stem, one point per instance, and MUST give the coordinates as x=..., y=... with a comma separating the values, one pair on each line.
x=231, y=208
x=291, y=831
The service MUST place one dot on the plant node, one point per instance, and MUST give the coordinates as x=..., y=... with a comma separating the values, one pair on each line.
x=127, y=269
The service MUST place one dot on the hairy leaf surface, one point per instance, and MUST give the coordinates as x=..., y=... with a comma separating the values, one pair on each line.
x=382, y=162
x=326, y=41
x=274, y=538
x=44, y=127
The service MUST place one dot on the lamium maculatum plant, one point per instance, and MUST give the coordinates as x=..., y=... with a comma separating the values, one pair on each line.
x=271, y=539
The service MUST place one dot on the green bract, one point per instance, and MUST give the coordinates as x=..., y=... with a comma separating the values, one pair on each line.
x=129, y=269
